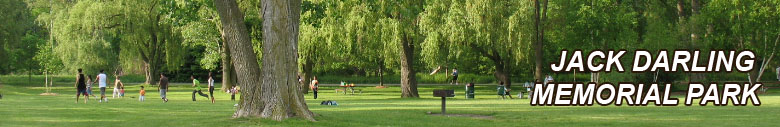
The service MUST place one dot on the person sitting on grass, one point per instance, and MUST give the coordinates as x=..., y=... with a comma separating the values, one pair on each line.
x=196, y=84
x=506, y=90
x=142, y=94
x=81, y=87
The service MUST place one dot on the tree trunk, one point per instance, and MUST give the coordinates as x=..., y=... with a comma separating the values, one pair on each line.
x=308, y=66
x=228, y=71
x=152, y=73
x=280, y=57
x=538, y=45
x=280, y=97
x=408, y=78
x=243, y=58
x=381, y=73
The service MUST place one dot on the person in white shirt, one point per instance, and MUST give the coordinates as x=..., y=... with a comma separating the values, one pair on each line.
x=101, y=79
x=548, y=79
x=778, y=73
x=211, y=87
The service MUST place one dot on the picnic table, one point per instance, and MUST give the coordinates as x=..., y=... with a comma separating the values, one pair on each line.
x=350, y=87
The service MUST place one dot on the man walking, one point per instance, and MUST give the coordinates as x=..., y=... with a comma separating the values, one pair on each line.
x=81, y=87
x=101, y=79
x=163, y=88
x=196, y=84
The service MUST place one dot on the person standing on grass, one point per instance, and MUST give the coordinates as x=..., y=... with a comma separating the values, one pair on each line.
x=233, y=92
x=778, y=73
x=314, y=85
x=211, y=87
x=454, y=76
x=196, y=84
x=142, y=94
x=101, y=79
x=118, y=85
x=81, y=87
x=89, y=86
x=163, y=88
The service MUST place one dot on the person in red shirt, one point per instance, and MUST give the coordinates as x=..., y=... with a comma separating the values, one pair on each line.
x=314, y=86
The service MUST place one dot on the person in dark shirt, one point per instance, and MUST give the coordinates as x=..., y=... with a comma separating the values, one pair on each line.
x=81, y=87
x=163, y=88
x=454, y=77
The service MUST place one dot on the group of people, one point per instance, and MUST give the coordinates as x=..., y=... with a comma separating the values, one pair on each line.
x=84, y=87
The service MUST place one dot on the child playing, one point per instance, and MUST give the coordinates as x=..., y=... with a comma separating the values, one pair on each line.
x=122, y=92
x=89, y=86
x=233, y=93
x=143, y=93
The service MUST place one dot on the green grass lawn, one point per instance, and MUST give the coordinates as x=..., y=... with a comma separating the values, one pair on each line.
x=23, y=106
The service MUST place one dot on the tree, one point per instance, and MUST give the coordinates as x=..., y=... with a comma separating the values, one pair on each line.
x=477, y=29
x=540, y=16
x=277, y=97
x=404, y=33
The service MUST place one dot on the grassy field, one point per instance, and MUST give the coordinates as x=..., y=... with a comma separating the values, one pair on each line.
x=22, y=105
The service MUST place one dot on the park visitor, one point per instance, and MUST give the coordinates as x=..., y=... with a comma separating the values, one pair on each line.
x=163, y=88
x=548, y=79
x=454, y=76
x=101, y=79
x=233, y=93
x=142, y=94
x=122, y=92
x=211, y=87
x=117, y=85
x=196, y=84
x=89, y=86
x=314, y=86
x=778, y=73
x=506, y=90
x=81, y=87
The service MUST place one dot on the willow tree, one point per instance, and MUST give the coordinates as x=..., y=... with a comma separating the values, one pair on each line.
x=150, y=36
x=275, y=94
x=479, y=27
x=85, y=33
x=399, y=21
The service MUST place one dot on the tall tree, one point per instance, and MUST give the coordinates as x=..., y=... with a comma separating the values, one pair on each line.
x=540, y=16
x=278, y=95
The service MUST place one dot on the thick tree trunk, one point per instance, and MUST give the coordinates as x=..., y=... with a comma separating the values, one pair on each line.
x=408, y=78
x=280, y=58
x=243, y=58
x=500, y=73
